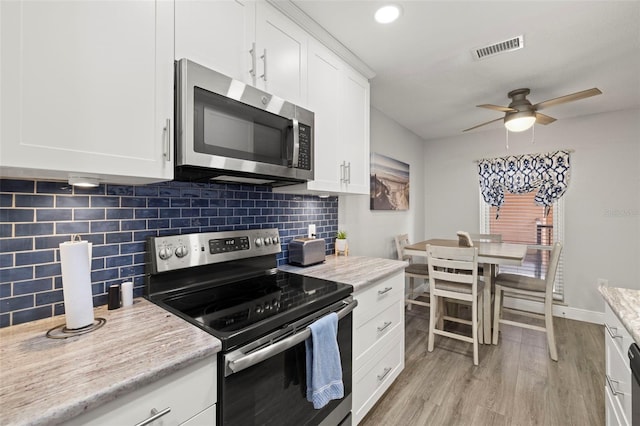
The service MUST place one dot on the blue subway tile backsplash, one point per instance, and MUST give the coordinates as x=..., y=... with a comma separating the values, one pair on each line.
x=36, y=216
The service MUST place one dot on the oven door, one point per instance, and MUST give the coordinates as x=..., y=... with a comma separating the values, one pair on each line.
x=264, y=383
x=634, y=363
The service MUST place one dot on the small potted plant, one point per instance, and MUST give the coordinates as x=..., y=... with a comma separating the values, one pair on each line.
x=341, y=241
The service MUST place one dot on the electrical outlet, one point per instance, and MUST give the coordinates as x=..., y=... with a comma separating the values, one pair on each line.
x=603, y=282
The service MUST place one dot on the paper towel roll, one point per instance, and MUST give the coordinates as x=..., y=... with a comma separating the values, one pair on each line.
x=76, y=283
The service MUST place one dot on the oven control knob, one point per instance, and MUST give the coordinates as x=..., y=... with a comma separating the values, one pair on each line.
x=182, y=251
x=258, y=309
x=267, y=241
x=258, y=242
x=275, y=240
x=164, y=253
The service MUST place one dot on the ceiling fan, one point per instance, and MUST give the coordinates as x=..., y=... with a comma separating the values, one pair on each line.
x=521, y=115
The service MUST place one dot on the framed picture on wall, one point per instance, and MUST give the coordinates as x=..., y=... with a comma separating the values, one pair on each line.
x=389, y=183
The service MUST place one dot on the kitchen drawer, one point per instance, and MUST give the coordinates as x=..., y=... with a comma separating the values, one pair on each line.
x=370, y=336
x=205, y=418
x=619, y=334
x=186, y=392
x=613, y=414
x=375, y=377
x=377, y=298
x=618, y=374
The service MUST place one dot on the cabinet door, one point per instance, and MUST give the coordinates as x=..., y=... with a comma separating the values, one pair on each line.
x=281, y=55
x=217, y=34
x=325, y=75
x=87, y=88
x=354, y=131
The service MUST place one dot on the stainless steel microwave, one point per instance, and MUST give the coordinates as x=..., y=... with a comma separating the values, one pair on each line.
x=229, y=131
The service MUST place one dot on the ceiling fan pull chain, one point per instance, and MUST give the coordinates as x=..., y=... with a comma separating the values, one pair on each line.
x=533, y=134
x=506, y=137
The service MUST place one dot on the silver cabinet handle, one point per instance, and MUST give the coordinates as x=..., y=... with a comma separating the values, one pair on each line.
x=342, y=173
x=348, y=169
x=296, y=143
x=384, y=326
x=252, y=52
x=167, y=140
x=384, y=374
x=155, y=415
x=613, y=331
x=385, y=290
x=610, y=383
x=264, y=62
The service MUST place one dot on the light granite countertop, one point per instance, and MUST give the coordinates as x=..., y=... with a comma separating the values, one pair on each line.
x=358, y=271
x=625, y=303
x=48, y=381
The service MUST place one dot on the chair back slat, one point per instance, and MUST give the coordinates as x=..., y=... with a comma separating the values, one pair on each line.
x=402, y=241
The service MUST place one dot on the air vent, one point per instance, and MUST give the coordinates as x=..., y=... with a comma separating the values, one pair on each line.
x=497, y=48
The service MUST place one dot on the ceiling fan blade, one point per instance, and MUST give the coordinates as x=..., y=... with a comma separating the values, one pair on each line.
x=567, y=98
x=497, y=108
x=483, y=124
x=544, y=119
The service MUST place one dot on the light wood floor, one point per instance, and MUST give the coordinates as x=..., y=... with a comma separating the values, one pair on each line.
x=516, y=382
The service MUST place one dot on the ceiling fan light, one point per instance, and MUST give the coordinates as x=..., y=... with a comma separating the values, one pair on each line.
x=519, y=124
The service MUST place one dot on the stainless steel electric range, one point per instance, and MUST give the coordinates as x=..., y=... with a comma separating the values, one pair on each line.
x=227, y=283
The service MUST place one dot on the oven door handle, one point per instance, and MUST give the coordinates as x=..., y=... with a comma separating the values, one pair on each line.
x=246, y=361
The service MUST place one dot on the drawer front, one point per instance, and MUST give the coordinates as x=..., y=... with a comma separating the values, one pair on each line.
x=614, y=329
x=205, y=418
x=370, y=336
x=377, y=298
x=186, y=393
x=375, y=377
x=612, y=410
x=618, y=378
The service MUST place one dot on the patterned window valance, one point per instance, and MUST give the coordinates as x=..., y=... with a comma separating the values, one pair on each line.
x=547, y=173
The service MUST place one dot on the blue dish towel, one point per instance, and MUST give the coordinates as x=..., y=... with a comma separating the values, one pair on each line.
x=324, y=371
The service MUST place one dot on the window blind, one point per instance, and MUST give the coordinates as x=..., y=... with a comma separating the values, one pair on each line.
x=521, y=221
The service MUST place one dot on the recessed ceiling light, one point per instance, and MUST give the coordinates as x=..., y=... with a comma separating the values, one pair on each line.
x=387, y=14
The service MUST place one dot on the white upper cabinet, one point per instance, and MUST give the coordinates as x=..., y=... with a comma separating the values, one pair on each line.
x=217, y=35
x=354, y=131
x=339, y=97
x=249, y=41
x=281, y=55
x=87, y=89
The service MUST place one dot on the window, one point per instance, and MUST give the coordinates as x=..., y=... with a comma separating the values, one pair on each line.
x=522, y=221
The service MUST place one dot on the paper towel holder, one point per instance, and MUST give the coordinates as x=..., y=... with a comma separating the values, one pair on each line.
x=62, y=332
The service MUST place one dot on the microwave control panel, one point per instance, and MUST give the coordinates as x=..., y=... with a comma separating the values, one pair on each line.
x=304, y=156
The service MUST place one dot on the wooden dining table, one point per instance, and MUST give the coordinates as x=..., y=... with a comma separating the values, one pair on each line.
x=490, y=255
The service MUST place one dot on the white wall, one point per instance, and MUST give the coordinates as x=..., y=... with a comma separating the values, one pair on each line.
x=371, y=233
x=602, y=204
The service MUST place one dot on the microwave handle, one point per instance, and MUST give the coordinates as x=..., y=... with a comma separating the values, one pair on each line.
x=296, y=143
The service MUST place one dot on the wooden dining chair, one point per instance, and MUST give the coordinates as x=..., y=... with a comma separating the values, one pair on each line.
x=453, y=275
x=413, y=271
x=528, y=288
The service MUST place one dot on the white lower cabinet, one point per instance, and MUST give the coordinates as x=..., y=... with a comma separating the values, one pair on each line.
x=618, y=374
x=189, y=395
x=378, y=342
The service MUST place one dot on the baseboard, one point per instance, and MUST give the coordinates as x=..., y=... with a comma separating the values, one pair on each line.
x=558, y=310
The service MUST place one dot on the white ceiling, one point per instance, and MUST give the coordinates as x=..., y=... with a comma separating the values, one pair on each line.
x=426, y=77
